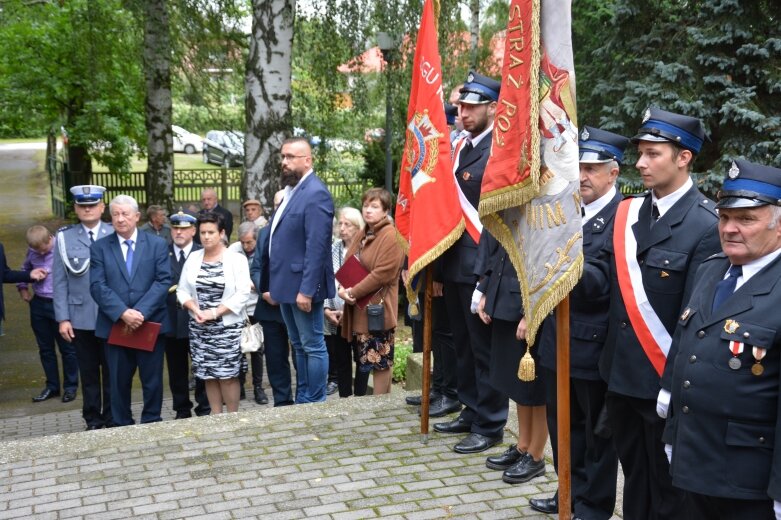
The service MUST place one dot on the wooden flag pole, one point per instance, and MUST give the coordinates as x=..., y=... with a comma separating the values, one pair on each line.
x=563, y=411
x=427, y=328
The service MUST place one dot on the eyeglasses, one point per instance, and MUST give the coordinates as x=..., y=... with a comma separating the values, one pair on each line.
x=288, y=157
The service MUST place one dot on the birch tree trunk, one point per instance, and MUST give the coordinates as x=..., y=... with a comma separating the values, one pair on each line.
x=474, y=33
x=268, y=92
x=157, y=72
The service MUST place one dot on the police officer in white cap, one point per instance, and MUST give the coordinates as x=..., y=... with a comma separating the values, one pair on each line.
x=74, y=308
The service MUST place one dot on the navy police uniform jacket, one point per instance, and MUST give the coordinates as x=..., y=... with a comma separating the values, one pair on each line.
x=589, y=304
x=180, y=318
x=669, y=253
x=723, y=421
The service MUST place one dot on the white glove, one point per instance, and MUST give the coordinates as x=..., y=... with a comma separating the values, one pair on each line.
x=662, y=403
x=668, y=450
x=777, y=509
x=476, y=295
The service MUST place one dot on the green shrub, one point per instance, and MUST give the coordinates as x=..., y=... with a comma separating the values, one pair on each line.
x=400, y=353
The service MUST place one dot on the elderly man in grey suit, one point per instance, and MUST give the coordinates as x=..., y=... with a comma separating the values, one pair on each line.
x=74, y=308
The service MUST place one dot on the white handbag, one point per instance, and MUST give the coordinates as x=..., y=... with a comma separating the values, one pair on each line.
x=251, y=338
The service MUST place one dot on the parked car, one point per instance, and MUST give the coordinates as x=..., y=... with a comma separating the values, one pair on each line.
x=225, y=148
x=186, y=141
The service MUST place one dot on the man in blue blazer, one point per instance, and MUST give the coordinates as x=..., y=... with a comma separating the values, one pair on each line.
x=300, y=269
x=130, y=275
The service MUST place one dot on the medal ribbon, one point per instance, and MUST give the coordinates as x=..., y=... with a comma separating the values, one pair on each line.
x=736, y=347
x=759, y=353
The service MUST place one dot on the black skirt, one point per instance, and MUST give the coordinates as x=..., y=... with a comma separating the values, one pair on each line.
x=506, y=353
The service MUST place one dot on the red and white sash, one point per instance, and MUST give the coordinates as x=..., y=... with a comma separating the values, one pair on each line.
x=650, y=330
x=471, y=218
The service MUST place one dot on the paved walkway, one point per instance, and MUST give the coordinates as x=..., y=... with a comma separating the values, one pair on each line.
x=345, y=459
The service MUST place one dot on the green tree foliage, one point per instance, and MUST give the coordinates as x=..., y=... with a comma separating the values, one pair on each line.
x=719, y=60
x=74, y=64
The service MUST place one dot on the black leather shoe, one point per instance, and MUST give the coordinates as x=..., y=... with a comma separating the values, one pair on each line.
x=331, y=388
x=260, y=396
x=443, y=406
x=545, y=505
x=417, y=400
x=46, y=394
x=475, y=443
x=91, y=427
x=524, y=470
x=183, y=415
x=68, y=396
x=457, y=425
x=510, y=456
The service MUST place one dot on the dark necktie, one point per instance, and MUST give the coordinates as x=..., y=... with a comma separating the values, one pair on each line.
x=583, y=211
x=129, y=257
x=91, y=236
x=727, y=286
x=465, y=150
x=181, y=258
x=654, y=213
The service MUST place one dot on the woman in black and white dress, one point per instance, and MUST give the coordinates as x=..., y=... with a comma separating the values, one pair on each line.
x=214, y=287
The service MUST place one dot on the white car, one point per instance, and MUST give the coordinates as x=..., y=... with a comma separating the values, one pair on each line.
x=185, y=141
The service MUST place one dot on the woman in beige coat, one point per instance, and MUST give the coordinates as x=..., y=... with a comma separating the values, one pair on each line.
x=379, y=251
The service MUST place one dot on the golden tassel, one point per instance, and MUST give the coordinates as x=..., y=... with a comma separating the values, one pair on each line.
x=526, y=367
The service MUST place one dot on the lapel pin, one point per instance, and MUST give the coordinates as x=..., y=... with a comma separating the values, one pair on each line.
x=664, y=274
x=466, y=176
x=730, y=326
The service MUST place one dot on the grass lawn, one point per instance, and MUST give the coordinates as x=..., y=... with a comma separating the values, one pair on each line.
x=182, y=161
x=24, y=140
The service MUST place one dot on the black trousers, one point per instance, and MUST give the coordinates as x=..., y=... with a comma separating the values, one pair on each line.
x=340, y=362
x=485, y=408
x=637, y=435
x=445, y=377
x=93, y=371
x=177, y=358
x=594, y=459
x=718, y=508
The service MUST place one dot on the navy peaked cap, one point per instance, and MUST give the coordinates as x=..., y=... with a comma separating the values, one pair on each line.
x=601, y=146
x=750, y=185
x=182, y=219
x=479, y=89
x=662, y=126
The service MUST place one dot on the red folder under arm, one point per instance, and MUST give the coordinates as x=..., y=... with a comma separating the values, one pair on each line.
x=352, y=272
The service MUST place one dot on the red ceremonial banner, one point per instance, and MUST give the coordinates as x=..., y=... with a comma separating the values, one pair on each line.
x=428, y=213
x=516, y=133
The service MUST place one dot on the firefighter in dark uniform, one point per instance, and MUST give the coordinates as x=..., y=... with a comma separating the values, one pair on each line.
x=485, y=409
x=724, y=365
x=660, y=238
x=594, y=460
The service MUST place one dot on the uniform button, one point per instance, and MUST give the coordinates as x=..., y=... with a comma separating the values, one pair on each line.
x=685, y=409
x=594, y=336
x=666, y=262
x=746, y=335
x=686, y=384
x=693, y=359
x=640, y=262
x=701, y=334
x=623, y=324
x=762, y=440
